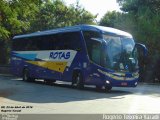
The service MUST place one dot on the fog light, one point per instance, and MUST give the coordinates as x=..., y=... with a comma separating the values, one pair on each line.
x=107, y=82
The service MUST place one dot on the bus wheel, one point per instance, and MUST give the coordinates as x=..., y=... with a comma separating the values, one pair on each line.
x=108, y=88
x=26, y=77
x=78, y=80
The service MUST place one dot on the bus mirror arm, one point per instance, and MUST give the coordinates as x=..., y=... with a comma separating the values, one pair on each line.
x=141, y=47
x=78, y=49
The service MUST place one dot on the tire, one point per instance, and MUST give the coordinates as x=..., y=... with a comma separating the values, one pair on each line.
x=26, y=77
x=108, y=88
x=77, y=80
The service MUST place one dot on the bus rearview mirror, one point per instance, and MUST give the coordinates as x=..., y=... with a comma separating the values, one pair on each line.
x=141, y=48
x=78, y=49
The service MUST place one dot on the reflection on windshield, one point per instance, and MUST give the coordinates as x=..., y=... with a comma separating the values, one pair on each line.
x=119, y=53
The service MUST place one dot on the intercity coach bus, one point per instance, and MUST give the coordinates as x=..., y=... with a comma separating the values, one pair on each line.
x=81, y=54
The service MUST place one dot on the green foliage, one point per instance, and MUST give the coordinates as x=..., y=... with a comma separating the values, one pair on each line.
x=135, y=5
x=141, y=18
x=118, y=20
x=110, y=18
x=54, y=14
x=146, y=17
x=25, y=16
x=15, y=18
x=21, y=16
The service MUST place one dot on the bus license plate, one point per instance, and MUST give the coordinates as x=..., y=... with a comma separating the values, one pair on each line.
x=124, y=84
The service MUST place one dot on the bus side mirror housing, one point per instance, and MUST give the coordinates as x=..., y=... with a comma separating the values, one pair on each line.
x=78, y=49
x=141, y=48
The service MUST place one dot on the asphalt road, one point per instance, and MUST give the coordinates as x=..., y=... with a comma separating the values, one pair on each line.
x=17, y=96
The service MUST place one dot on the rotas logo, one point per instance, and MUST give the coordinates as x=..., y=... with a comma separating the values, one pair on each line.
x=59, y=55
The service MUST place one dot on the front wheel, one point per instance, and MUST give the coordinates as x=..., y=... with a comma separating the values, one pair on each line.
x=78, y=80
x=108, y=88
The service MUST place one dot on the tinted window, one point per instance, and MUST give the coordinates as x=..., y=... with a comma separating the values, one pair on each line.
x=59, y=41
x=96, y=52
x=93, y=46
x=70, y=40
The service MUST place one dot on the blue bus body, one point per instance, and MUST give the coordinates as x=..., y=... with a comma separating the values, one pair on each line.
x=95, y=51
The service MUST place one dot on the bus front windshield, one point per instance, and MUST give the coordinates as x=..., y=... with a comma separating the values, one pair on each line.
x=119, y=55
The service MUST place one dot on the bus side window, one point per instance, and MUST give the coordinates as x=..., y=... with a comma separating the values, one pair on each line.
x=18, y=44
x=44, y=42
x=60, y=41
x=47, y=42
x=75, y=41
x=96, y=52
x=69, y=41
x=28, y=46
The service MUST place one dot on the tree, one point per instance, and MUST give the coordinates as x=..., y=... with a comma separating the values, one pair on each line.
x=21, y=16
x=110, y=18
x=119, y=20
x=136, y=5
x=14, y=19
x=146, y=15
x=55, y=14
x=142, y=19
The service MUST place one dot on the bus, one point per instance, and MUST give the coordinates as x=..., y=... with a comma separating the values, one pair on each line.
x=82, y=55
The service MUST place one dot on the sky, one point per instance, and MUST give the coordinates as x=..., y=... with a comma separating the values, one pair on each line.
x=97, y=6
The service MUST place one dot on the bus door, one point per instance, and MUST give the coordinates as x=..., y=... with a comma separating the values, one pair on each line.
x=95, y=53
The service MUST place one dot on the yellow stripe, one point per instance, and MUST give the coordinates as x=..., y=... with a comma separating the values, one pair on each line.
x=118, y=78
x=56, y=66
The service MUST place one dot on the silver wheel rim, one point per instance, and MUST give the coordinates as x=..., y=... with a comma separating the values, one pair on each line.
x=78, y=78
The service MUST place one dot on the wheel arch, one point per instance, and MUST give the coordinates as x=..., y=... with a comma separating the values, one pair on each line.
x=77, y=70
x=24, y=67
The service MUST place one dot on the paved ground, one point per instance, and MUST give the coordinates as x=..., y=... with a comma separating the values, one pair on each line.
x=61, y=98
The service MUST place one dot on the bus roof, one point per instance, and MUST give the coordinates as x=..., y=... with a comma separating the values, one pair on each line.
x=102, y=29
